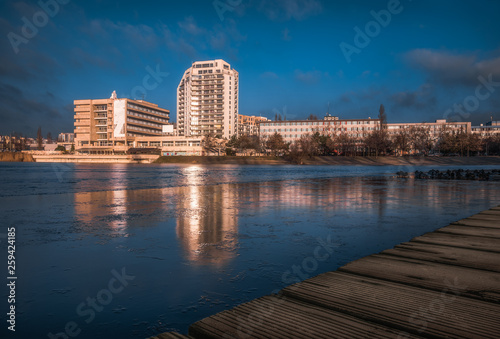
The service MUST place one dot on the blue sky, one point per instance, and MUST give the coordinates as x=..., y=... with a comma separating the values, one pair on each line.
x=424, y=60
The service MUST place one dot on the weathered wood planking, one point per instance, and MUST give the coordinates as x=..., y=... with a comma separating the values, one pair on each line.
x=473, y=283
x=282, y=317
x=489, y=217
x=171, y=335
x=414, y=310
x=480, y=260
x=444, y=284
x=490, y=212
x=463, y=241
x=476, y=231
x=478, y=223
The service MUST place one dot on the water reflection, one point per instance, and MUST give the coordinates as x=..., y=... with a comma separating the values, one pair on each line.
x=206, y=217
x=207, y=221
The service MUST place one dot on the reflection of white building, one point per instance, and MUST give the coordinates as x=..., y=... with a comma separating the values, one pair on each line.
x=207, y=222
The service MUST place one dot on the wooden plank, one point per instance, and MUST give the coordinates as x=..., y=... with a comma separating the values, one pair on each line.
x=284, y=317
x=478, y=223
x=472, y=230
x=171, y=335
x=482, y=285
x=447, y=255
x=414, y=310
x=490, y=212
x=463, y=241
x=489, y=217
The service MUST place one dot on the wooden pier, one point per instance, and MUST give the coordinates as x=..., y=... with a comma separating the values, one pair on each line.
x=444, y=284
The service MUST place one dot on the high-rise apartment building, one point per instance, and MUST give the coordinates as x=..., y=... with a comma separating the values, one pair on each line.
x=112, y=125
x=207, y=100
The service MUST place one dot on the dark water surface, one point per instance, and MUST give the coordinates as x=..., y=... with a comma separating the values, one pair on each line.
x=129, y=251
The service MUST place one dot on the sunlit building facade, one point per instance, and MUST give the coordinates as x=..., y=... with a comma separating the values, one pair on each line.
x=207, y=100
x=356, y=128
x=491, y=128
x=112, y=125
x=249, y=124
x=294, y=130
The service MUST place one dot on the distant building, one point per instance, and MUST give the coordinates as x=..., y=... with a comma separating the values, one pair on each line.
x=356, y=128
x=491, y=128
x=249, y=125
x=295, y=129
x=66, y=137
x=207, y=100
x=112, y=125
x=434, y=128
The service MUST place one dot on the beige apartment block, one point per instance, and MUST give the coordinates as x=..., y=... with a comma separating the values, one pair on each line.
x=249, y=124
x=294, y=130
x=491, y=128
x=357, y=128
x=434, y=128
x=207, y=100
x=172, y=145
x=112, y=125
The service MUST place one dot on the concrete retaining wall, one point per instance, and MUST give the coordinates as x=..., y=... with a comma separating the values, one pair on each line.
x=99, y=159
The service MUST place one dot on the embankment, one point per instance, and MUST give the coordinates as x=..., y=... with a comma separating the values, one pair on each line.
x=333, y=160
x=16, y=157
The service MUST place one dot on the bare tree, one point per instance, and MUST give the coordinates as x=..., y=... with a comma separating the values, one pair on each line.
x=402, y=141
x=39, y=138
x=276, y=144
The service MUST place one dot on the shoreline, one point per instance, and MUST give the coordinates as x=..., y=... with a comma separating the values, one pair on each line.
x=334, y=161
x=255, y=160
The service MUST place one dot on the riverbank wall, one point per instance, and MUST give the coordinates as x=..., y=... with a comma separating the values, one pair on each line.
x=97, y=159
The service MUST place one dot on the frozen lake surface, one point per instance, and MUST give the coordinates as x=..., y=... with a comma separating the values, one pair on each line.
x=130, y=251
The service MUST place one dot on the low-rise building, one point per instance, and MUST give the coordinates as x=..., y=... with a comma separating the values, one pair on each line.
x=491, y=128
x=109, y=126
x=356, y=128
x=435, y=129
x=249, y=125
x=294, y=130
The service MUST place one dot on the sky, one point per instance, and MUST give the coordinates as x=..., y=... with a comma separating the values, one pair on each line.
x=423, y=60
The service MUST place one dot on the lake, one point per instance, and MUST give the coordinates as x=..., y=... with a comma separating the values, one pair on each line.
x=131, y=251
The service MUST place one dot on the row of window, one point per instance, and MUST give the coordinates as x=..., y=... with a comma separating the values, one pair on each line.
x=297, y=136
x=273, y=130
x=145, y=109
x=149, y=130
x=318, y=123
x=147, y=116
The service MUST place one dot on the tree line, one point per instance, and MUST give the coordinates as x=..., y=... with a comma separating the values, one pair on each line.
x=414, y=140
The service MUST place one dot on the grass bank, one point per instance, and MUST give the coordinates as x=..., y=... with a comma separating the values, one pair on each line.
x=333, y=160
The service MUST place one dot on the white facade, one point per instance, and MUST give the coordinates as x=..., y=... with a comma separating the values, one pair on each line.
x=207, y=100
